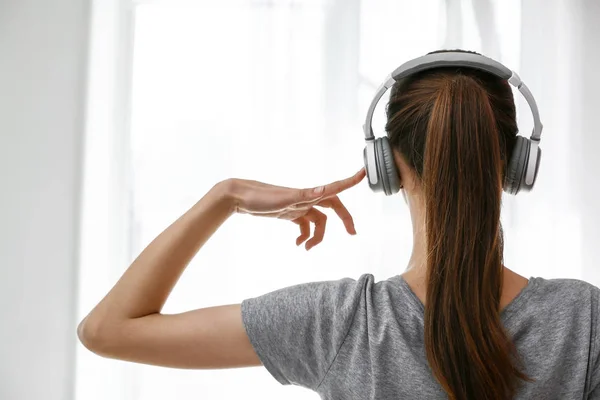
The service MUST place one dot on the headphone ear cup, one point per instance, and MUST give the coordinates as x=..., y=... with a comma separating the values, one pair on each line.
x=386, y=166
x=517, y=166
x=524, y=186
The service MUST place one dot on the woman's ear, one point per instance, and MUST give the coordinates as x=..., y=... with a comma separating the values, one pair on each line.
x=407, y=177
x=402, y=169
x=400, y=166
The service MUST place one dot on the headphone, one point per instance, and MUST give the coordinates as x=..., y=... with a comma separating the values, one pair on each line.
x=524, y=162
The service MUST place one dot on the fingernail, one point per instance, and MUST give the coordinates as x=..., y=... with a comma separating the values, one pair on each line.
x=319, y=190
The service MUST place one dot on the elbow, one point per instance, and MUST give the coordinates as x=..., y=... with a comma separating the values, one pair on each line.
x=94, y=336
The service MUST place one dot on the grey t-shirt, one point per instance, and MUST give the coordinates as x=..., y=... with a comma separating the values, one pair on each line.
x=361, y=339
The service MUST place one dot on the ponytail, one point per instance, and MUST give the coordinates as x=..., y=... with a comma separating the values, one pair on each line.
x=467, y=347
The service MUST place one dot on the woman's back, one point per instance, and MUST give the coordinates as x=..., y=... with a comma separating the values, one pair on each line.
x=357, y=339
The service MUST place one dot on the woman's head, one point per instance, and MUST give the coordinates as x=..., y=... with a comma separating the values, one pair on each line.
x=452, y=131
x=412, y=100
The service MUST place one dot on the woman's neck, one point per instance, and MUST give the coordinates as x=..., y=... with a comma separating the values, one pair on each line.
x=416, y=270
x=416, y=276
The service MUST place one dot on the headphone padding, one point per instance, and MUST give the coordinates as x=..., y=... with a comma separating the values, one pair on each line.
x=388, y=170
x=381, y=168
x=517, y=166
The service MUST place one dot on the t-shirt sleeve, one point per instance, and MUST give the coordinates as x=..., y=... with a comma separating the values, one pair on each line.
x=595, y=347
x=297, y=331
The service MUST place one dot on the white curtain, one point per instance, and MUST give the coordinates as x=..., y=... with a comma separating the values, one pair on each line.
x=195, y=92
x=552, y=229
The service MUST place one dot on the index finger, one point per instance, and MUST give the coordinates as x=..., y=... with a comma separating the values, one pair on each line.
x=336, y=187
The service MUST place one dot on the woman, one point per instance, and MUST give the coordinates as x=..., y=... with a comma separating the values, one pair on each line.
x=456, y=324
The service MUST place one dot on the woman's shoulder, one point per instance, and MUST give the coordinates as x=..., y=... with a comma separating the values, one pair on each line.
x=575, y=295
x=561, y=286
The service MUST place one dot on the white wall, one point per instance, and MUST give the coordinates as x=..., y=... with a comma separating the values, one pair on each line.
x=589, y=160
x=42, y=64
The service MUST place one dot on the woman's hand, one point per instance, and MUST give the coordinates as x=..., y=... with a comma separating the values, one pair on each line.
x=296, y=205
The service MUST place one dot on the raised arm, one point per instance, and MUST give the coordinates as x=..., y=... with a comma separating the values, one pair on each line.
x=128, y=325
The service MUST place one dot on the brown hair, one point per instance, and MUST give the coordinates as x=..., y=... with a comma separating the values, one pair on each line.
x=456, y=127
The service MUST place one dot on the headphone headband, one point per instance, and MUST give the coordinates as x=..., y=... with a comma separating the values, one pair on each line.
x=466, y=60
x=451, y=59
